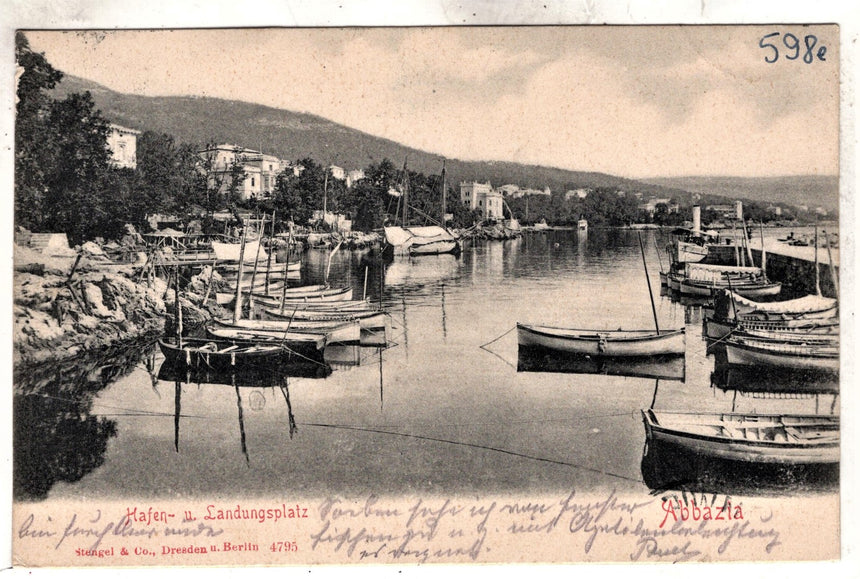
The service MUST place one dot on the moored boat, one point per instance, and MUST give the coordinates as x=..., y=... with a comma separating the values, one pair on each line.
x=423, y=240
x=755, y=438
x=715, y=328
x=615, y=343
x=731, y=304
x=233, y=267
x=750, y=289
x=222, y=354
x=339, y=332
x=763, y=352
x=439, y=247
x=292, y=295
x=368, y=320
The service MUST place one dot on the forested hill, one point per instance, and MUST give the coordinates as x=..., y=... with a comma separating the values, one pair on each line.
x=291, y=135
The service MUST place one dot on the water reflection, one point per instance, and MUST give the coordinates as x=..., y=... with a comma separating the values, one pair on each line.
x=56, y=434
x=776, y=381
x=249, y=390
x=442, y=400
x=541, y=360
x=670, y=468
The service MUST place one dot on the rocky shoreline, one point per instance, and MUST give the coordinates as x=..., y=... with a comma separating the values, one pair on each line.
x=64, y=307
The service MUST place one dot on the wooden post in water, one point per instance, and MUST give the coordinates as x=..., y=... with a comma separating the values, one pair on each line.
x=817, y=273
x=178, y=309
x=648, y=279
x=177, y=407
x=286, y=273
x=257, y=254
x=364, y=293
x=271, y=246
x=747, y=241
x=237, y=310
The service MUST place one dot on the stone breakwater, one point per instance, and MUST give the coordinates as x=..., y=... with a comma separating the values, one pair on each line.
x=56, y=318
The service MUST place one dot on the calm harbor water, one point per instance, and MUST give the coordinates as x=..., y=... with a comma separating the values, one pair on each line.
x=434, y=413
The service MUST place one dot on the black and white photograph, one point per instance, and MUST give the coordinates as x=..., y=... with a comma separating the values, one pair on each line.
x=373, y=295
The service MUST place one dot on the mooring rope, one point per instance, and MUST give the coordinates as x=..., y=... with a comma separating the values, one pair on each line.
x=486, y=349
x=472, y=445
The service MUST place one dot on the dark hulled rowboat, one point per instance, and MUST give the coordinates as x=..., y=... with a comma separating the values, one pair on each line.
x=756, y=438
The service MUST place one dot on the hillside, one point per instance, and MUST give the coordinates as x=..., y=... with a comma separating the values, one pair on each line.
x=811, y=190
x=293, y=136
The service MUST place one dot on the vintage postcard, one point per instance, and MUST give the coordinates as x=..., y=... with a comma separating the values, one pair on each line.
x=420, y=295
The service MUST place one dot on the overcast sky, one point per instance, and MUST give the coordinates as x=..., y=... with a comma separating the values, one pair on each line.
x=635, y=102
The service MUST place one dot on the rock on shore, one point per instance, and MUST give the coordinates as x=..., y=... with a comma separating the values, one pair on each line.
x=52, y=321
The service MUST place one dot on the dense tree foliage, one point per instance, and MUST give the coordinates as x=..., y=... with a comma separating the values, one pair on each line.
x=65, y=181
x=36, y=77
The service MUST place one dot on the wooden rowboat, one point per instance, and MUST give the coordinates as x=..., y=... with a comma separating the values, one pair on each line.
x=614, y=343
x=340, y=332
x=222, y=354
x=368, y=320
x=338, y=306
x=746, y=289
x=298, y=294
x=292, y=267
x=762, y=352
x=716, y=329
x=755, y=438
x=435, y=247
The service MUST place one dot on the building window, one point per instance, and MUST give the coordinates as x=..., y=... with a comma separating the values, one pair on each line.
x=252, y=181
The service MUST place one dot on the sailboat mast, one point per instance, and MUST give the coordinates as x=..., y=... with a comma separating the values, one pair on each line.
x=817, y=273
x=237, y=311
x=444, y=196
x=405, y=194
x=830, y=263
x=648, y=279
x=325, y=194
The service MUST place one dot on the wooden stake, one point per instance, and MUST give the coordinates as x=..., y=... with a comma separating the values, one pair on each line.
x=648, y=279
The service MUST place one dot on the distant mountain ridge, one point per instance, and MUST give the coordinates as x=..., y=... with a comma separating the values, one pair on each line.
x=292, y=135
x=809, y=190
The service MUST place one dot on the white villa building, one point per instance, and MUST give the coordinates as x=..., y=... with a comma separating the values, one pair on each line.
x=122, y=143
x=261, y=170
x=483, y=197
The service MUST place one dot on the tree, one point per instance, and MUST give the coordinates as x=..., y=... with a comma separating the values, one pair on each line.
x=168, y=178
x=37, y=76
x=77, y=200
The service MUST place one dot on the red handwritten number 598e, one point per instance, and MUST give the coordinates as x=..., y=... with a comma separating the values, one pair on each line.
x=794, y=49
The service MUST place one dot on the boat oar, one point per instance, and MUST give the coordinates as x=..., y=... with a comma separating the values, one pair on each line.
x=648, y=279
